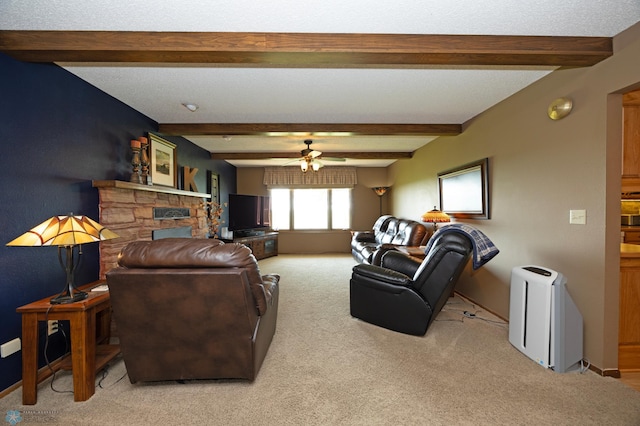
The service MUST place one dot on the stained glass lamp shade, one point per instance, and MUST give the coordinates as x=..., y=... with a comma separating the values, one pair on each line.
x=435, y=216
x=66, y=232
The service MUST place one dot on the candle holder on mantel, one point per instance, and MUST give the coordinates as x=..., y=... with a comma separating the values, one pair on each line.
x=144, y=160
x=135, y=161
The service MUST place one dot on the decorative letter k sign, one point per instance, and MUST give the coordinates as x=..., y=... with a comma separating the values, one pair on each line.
x=188, y=176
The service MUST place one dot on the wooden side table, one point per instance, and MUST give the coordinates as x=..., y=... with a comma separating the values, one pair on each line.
x=90, y=332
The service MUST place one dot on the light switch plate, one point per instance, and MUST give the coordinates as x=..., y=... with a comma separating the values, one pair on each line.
x=578, y=217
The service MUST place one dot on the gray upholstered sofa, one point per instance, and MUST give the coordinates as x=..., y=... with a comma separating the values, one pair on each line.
x=388, y=231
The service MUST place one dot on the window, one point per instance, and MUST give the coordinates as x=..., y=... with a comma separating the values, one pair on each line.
x=310, y=209
x=280, y=206
x=318, y=208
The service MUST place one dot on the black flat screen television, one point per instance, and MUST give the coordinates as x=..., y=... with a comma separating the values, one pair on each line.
x=248, y=212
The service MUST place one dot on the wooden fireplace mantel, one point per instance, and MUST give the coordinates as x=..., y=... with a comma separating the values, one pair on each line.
x=151, y=188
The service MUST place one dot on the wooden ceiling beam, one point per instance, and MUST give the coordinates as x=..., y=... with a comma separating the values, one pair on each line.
x=293, y=155
x=303, y=49
x=311, y=129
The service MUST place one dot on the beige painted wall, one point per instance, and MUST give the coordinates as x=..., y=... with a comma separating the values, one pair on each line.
x=539, y=170
x=249, y=181
x=366, y=210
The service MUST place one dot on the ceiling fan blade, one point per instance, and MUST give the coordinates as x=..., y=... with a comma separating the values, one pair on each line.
x=297, y=160
x=314, y=154
x=333, y=159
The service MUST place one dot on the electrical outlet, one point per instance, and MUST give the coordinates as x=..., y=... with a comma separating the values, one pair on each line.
x=10, y=347
x=52, y=327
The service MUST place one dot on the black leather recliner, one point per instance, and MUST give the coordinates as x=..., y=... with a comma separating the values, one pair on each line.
x=404, y=295
x=388, y=232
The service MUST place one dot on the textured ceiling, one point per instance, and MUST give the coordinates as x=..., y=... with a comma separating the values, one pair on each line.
x=444, y=95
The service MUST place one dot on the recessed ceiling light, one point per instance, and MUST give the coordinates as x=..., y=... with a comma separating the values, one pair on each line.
x=190, y=107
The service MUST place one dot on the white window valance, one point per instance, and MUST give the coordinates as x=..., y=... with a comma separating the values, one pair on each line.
x=326, y=177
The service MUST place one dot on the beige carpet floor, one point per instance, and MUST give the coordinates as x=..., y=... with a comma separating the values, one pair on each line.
x=326, y=368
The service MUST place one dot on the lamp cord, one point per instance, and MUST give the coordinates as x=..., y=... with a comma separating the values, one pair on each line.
x=46, y=356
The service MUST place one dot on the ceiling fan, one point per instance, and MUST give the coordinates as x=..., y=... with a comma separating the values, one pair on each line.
x=311, y=158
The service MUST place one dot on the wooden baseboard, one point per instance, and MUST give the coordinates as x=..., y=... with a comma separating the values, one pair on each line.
x=43, y=374
x=480, y=305
x=10, y=389
x=609, y=372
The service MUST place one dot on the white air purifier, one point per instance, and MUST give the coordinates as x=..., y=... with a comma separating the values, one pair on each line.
x=544, y=323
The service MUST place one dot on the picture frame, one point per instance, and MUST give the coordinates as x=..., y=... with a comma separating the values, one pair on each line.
x=214, y=187
x=464, y=190
x=164, y=161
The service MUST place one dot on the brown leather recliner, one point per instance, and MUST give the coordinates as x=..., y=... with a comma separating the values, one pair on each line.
x=192, y=309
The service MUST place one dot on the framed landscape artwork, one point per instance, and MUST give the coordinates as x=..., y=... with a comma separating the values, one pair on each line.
x=464, y=191
x=164, y=163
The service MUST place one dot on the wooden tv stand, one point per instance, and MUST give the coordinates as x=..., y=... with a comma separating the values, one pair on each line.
x=262, y=245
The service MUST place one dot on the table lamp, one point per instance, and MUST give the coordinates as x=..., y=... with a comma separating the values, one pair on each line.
x=435, y=216
x=66, y=232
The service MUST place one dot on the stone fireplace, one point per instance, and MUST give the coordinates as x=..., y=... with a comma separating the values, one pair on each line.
x=128, y=210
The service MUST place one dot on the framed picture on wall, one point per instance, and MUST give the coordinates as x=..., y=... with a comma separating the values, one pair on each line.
x=164, y=162
x=215, y=187
x=464, y=190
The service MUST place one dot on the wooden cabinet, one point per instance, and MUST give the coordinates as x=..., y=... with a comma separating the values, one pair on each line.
x=262, y=246
x=631, y=234
x=631, y=142
x=629, y=325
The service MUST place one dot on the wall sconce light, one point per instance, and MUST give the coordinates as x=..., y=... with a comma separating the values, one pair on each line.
x=559, y=108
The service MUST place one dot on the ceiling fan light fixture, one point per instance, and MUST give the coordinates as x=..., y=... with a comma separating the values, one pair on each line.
x=310, y=158
x=309, y=163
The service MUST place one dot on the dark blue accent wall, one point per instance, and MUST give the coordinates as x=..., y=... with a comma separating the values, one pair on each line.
x=57, y=134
